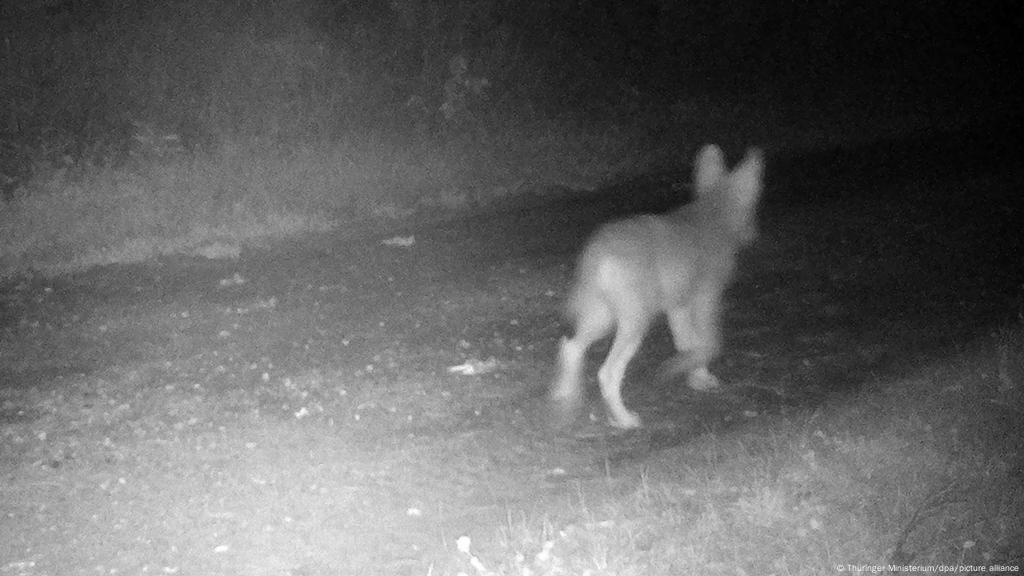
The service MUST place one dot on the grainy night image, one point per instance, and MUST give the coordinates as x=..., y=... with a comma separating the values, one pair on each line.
x=510, y=288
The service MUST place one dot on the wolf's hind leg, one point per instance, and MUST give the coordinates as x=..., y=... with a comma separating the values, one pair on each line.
x=593, y=321
x=695, y=335
x=632, y=326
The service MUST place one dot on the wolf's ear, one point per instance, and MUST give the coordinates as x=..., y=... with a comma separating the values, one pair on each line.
x=745, y=179
x=708, y=168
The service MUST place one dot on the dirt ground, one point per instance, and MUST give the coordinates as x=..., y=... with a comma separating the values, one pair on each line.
x=340, y=406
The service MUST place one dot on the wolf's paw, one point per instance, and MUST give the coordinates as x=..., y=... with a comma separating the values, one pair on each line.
x=703, y=380
x=625, y=421
x=680, y=363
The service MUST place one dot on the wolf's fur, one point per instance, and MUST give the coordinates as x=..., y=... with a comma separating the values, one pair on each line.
x=678, y=264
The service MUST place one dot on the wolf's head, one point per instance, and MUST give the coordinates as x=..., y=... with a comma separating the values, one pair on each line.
x=731, y=196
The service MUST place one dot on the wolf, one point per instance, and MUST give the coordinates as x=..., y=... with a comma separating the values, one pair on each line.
x=678, y=263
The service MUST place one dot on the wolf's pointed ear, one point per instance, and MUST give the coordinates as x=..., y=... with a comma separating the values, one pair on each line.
x=708, y=168
x=746, y=178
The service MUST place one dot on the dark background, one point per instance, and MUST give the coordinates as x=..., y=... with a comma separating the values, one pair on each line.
x=95, y=61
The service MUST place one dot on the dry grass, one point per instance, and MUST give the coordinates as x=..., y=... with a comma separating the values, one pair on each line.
x=901, y=475
x=125, y=137
x=248, y=195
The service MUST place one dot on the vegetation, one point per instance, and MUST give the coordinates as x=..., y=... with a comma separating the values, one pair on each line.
x=133, y=129
x=917, y=474
x=151, y=127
